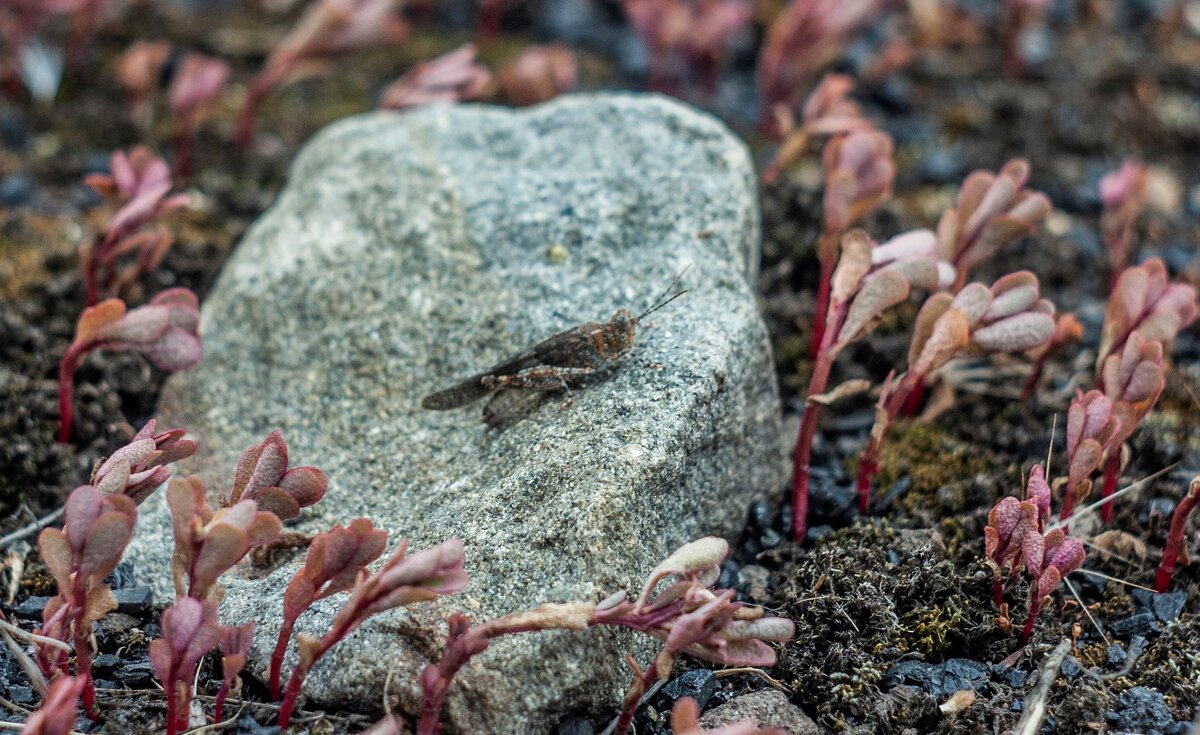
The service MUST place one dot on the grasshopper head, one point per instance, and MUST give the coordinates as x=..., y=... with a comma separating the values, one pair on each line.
x=619, y=332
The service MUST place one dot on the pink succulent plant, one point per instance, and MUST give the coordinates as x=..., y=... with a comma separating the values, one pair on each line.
x=209, y=542
x=538, y=74
x=57, y=713
x=805, y=37
x=139, y=72
x=683, y=35
x=859, y=173
x=1175, y=548
x=686, y=614
x=1123, y=194
x=993, y=211
x=1009, y=317
x=189, y=631
x=140, y=182
x=1144, y=301
x=140, y=467
x=452, y=77
x=869, y=280
x=165, y=332
x=327, y=28
x=195, y=88
x=235, y=642
x=829, y=111
x=262, y=475
x=402, y=580
x=337, y=560
x=96, y=530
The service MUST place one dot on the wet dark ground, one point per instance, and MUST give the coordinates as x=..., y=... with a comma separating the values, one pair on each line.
x=893, y=612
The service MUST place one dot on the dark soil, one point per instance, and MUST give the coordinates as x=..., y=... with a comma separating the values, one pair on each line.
x=894, y=612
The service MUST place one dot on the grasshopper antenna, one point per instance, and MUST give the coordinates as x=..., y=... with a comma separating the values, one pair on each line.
x=660, y=302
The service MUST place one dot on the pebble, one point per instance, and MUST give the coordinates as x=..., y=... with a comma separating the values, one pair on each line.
x=699, y=684
x=1071, y=668
x=134, y=600
x=575, y=725
x=1140, y=623
x=1166, y=606
x=1116, y=655
x=15, y=190
x=1141, y=710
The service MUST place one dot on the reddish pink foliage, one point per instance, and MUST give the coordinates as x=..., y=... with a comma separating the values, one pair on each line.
x=56, y=715
x=828, y=111
x=859, y=173
x=1093, y=432
x=336, y=560
x=806, y=36
x=190, y=630
x=235, y=647
x=140, y=467
x=262, y=475
x=685, y=613
x=140, y=183
x=96, y=530
x=326, y=28
x=1144, y=301
x=210, y=542
x=538, y=74
x=1175, y=548
x=869, y=280
x=165, y=331
x=197, y=85
x=139, y=71
x=402, y=580
x=451, y=77
x=1123, y=193
x=1067, y=331
x=682, y=36
x=993, y=211
x=1048, y=559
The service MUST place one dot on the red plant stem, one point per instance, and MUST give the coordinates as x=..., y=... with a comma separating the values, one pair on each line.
x=256, y=94
x=1035, y=606
x=868, y=465
x=184, y=139
x=802, y=454
x=1068, y=506
x=625, y=719
x=83, y=649
x=66, y=390
x=285, y=634
x=822, y=310
x=915, y=400
x=1171, y=552
x=1035, y=375
x=1111, y=472
x=219, y=704
x=328, y=641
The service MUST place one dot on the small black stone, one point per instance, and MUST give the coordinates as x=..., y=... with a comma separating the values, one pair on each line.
x=956, y=675
x=816, y=533
x=1140, y=623
x=31, y=607
x=1117, y=655
x=699, y=684
x=122, y=576
x=729, y=575
x=247, y=725
x=1166, y=606
x=1071, y=668
x=15, y=190
x=770, y=538
x=21, y=694
x=575, y=725
x=907, y=672
x=134, y=600
x=1014, y=678
x=135, y=673
x=760, y=515
x=1142, y=709
x=1181, y=727
x=106, y=662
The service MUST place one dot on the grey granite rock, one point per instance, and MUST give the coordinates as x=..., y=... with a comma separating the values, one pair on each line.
x=767, y=707
x=411, y=250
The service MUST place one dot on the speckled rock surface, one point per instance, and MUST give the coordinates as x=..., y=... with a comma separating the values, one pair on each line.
x=767, y=707
x=411, y=250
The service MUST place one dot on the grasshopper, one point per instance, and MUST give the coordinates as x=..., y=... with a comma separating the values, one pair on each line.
x=552, y=364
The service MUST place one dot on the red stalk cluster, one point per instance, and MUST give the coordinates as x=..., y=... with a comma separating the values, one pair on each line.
x=140, y=182
x=686, y=614
x=1008, y=317
x=165, y=332
x=686, y=38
